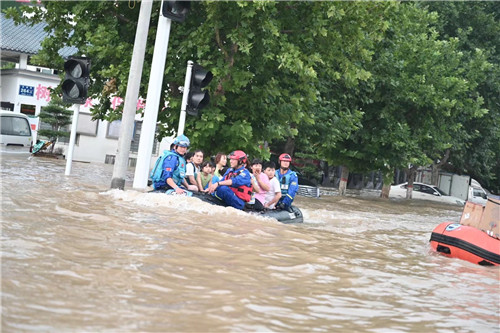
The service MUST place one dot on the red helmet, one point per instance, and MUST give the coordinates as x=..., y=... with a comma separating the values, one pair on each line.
x=285, y=157
x=238, y=155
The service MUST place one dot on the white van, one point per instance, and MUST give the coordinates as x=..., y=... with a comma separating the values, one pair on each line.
x=477, y=193
x=15, y=130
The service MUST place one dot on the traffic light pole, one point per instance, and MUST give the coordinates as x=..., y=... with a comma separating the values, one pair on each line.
x=185, y=96
x=130, y=106
x=152, y=103
x=72, y=139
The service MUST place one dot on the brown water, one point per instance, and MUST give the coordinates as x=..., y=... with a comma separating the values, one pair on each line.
x=77, y=256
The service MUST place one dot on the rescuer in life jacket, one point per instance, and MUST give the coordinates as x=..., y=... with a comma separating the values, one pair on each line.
x=170, y=169
x=288, y=181
x=236, y=187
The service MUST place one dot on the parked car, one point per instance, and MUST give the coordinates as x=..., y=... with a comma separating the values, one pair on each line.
x=424, y=192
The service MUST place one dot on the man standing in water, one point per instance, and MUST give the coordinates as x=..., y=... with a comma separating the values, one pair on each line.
x=170, y=169
x=236, y=187
x=288, y=180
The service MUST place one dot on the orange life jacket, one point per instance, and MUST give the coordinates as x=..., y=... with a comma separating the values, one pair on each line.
x=243, y=192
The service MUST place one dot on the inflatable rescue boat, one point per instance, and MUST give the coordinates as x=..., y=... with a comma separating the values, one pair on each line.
x=465, y=242
x=292, y=215
x=475, y=239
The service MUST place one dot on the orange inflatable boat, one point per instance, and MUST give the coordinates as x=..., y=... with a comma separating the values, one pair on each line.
x=465, y=242
x=476, y=238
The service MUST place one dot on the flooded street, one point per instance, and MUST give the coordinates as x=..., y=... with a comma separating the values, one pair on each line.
x=77, y=256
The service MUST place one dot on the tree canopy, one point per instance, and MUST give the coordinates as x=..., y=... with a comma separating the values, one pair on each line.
x=368, y=85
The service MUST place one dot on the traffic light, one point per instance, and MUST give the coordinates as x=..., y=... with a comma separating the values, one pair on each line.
x=76, y=82
x=176, y=10
x=198, y=98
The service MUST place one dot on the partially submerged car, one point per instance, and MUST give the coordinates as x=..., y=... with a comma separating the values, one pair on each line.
x=424, y=192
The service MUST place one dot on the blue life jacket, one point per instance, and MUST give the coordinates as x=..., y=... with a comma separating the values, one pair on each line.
x=158, y=174
x=285, y=180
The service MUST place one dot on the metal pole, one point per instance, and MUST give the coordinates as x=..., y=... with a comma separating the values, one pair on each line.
x=152, y=103
x=72, y=138
x=185, y=96
x=130, y=106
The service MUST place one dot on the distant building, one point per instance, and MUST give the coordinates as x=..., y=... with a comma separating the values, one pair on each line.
x=25, y=90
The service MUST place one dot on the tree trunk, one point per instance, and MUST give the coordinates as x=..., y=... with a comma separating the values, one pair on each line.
x=387, y=177
x=411, y=172
x=290, y=146
x=343, y=180
x=435, y=174
x=386, y=189
x=436, y=166
x=52, y=146
x=326, y=173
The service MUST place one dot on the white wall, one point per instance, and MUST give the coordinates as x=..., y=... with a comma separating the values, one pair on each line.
x=11, y=81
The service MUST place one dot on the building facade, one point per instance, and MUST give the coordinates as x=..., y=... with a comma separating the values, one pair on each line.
x=25, y=89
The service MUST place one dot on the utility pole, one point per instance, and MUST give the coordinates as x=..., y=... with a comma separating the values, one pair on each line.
x=152, y=103
x=130, y=106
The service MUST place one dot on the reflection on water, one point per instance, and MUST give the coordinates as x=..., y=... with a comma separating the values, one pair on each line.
x=77, y=256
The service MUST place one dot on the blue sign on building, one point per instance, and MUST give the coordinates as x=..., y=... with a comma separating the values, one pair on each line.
x=26, y=90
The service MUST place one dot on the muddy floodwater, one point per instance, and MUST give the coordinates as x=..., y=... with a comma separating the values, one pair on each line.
x=79, y=257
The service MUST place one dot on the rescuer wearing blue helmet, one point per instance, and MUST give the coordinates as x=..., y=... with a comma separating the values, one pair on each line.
x=170, y=169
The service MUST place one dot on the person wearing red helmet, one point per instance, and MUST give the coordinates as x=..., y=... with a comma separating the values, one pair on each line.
x=288, y=180
x=236, y=187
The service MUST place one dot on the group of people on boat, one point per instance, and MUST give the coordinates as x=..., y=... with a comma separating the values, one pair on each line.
x=235, y=186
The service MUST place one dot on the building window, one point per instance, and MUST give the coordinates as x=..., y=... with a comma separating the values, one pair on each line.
x=7, y=106
x=114, y=133
x=110, y=159
x=86, y=125
x=134, y=146
x=28, y=109
x=114, y=129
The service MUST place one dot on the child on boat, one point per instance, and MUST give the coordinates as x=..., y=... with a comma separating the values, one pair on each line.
x=205, y=176
x=273, y=195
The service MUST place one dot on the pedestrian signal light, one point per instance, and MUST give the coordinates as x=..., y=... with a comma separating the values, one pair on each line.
x=76, y=82
x=176, y=10
x=198, y=98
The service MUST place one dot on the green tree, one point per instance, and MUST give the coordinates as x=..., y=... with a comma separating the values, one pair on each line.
x=58, y=117
x=265, y=60
x=420, y=89
x=367, y=85
x=477, y=27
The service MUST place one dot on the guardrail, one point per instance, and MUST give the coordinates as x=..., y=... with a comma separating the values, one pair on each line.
x=308, y=191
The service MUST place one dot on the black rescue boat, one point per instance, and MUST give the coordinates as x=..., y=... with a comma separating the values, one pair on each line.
x=291, y=215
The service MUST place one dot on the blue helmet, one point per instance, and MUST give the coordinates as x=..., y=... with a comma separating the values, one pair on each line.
x=181, y=141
